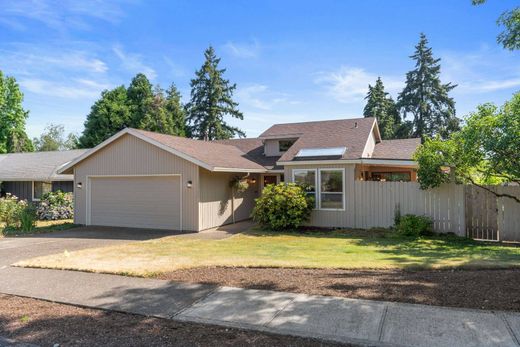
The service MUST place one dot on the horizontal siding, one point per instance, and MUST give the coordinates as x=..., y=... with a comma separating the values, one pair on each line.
x=215, y=199
x=129, y=155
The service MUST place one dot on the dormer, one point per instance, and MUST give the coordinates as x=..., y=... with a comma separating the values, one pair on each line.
x=275, y=147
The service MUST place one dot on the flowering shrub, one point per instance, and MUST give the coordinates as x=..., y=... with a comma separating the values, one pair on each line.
x=10, y=209
x=55, y=205
x=283, y=206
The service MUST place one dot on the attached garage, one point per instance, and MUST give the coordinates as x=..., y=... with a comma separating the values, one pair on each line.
x=140, y=179
x=135, y=201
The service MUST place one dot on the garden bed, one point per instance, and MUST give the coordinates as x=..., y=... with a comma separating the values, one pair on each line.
x=477, y=289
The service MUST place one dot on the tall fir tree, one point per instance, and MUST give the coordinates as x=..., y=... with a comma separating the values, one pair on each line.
x=211, y=100
x=175, y=110
x=425, y=98
x=13, y=137
x=110, y=114
x=381, y=106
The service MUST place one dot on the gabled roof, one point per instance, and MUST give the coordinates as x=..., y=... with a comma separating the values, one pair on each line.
x=396, y=149
x=254, y=150
x=36, y=166
x=209, y=155
x=350, y=133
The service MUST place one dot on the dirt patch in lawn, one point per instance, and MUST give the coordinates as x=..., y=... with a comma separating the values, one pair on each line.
x=45, y=323
x=479, y=289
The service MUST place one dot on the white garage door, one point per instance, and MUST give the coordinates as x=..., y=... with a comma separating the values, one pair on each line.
x=137, y=202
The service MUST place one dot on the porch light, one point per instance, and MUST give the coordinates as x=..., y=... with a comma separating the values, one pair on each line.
x=253, y=180
x=189, y=184
x=79, y=185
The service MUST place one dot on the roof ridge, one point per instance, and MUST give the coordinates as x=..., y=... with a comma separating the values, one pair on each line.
x=325, y=120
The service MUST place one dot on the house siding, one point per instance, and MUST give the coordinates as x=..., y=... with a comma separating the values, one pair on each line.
x=272, y=148
x=64, y=186
x=23, y=189
x=215, y=199
x=370, y=146
x=342, y=218
x=129, y=155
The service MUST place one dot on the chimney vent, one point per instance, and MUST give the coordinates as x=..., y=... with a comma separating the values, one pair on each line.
x=355, y=125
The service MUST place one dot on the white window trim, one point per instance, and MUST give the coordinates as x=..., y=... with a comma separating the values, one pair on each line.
x=317, y=185
x=32, y=193
x=342, y=184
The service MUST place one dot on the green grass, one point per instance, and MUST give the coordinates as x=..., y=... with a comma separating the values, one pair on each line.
x=41, y=227
x=340, y=249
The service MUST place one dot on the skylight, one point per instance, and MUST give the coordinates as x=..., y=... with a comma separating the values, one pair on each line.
x=321, y=152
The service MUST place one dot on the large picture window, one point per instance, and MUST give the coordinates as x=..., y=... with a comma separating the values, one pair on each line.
x=40, y=189
x=327, y=186
x=306, y=179
x=331, y=189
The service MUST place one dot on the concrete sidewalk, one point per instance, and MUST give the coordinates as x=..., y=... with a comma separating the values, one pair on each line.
x=338, y=319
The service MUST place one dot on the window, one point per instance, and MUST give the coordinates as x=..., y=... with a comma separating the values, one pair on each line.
x=392, y=176
x=284, y=145
x=331, y=189
x=40, y=189
x=306, y=179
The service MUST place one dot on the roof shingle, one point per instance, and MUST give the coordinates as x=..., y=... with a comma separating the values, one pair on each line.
x=396, y=149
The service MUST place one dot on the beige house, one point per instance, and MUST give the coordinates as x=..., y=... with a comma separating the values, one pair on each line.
x=149, y=180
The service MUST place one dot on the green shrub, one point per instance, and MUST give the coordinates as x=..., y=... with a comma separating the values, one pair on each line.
x=27, y=218
x=10, y=209
x=283, y=206
x=55, y=205
x=412, y=225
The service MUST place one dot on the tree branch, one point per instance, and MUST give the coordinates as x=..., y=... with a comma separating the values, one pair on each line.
x=498, y=195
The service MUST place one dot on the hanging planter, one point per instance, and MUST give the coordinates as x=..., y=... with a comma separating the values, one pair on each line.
x=239, y=184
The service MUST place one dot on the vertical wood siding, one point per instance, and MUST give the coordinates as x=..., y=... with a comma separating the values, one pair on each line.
x=215, y=199
x=21, y=189
x=373, y=204
x=271, y=148
x=64, y=186
x=131, y=156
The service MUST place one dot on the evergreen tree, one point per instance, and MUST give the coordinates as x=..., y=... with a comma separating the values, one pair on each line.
x=175, y=111
x=425, y=97
x=211, y=100
x=107, y=116
x=13, y=137
x=140, y=99
x=381, y=106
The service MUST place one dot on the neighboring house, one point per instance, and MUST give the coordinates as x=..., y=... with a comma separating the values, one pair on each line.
x=148, y=180
x=30, y=175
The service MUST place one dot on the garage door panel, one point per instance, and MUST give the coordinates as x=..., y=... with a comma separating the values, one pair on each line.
x=139, y=202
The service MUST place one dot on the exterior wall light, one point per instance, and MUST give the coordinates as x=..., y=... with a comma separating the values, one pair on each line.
x=79, y=185
x=253, y=180
x=189, y=184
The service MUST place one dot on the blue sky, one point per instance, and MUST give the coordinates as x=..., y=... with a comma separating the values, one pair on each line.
x=291, y=60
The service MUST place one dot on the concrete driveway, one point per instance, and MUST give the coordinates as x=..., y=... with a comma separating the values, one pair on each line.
x=13, y=249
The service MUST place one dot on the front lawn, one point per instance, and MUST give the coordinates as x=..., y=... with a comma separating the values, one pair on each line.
x=339, y=249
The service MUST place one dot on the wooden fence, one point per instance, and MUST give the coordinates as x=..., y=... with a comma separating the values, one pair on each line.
x=463, y=210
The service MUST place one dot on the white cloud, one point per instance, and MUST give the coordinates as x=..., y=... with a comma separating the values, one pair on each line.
x=350, y=84
x=59, y=14
x=260, y=97
x=75, y=89
x=134, y=63
x=484, y=71
x=243, y=50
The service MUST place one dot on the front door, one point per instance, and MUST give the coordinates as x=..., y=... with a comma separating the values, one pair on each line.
x=269, y=179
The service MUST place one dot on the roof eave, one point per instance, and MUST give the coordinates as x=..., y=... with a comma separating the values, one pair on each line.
x=395, y=162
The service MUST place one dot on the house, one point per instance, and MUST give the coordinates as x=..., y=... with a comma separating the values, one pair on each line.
x=143, y=179
x=30, y=175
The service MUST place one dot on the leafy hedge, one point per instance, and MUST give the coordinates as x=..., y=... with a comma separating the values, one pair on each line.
x=55, y=205
x=283, y=206
x=412, y=225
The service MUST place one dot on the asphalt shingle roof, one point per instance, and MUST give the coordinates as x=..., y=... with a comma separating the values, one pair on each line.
x=396, y=149
x=254, y=150
x=350, y=133
x=36, y=166
x=212, y=153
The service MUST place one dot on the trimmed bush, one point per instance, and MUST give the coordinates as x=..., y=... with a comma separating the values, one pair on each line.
x=412, y=225
x=283, y=206
x=55, y=205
